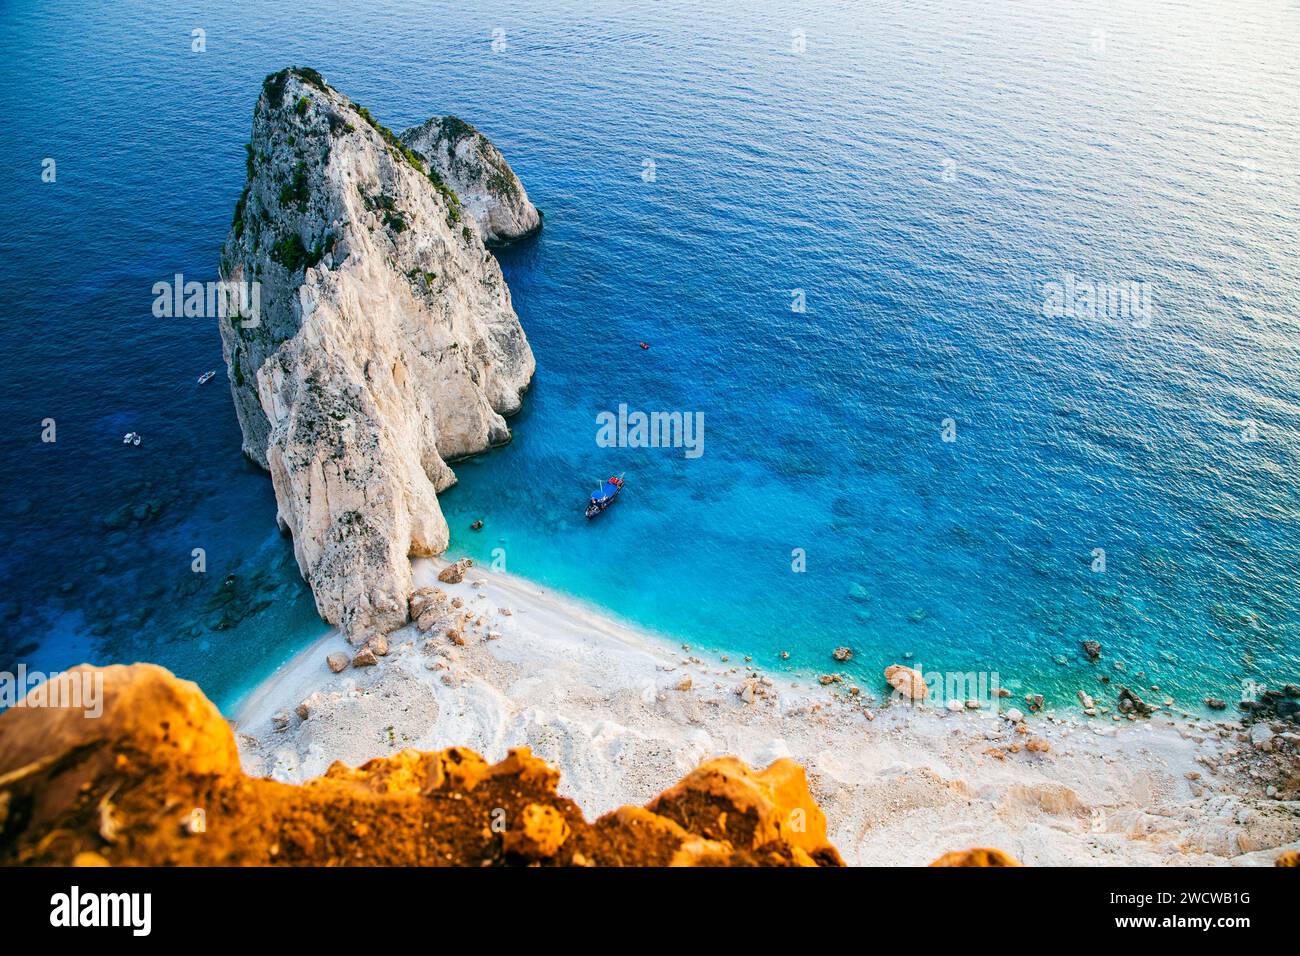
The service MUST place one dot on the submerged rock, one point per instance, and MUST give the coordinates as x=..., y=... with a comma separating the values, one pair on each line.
x=384, y=345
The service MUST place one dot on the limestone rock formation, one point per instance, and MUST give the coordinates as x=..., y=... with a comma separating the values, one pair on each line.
x=384, y=343
x=469, y=164
x=156, y=780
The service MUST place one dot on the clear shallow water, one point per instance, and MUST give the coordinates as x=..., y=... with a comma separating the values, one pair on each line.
x=921, y=171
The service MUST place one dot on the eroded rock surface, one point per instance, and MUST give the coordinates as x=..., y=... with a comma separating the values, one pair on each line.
x=156, y=780
x=385, y=344
x=488, y=188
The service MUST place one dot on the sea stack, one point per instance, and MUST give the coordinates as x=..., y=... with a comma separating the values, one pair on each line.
x=469, y=164
x=384, y=343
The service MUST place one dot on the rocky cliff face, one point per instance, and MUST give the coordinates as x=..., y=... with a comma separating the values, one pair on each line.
x=488, y=188
x=156, y=781
x=384, y=346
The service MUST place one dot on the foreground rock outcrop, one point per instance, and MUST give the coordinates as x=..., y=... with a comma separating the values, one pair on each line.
x=383, y=344
x=488, y=188
x=156, y=780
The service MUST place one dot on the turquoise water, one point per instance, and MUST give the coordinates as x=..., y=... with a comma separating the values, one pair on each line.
x=922, y=171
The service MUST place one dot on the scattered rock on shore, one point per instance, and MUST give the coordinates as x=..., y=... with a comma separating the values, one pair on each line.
x=1129, y=702
x=425, y=599
x=907, y=681
x=337, y=662
x=455, y=573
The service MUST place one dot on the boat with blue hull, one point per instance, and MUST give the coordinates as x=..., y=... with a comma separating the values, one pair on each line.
x=603, y=498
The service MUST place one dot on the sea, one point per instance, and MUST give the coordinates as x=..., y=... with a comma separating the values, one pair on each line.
x=982, y=315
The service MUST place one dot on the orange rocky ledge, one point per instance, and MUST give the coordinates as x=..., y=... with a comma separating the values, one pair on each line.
x=156, y=780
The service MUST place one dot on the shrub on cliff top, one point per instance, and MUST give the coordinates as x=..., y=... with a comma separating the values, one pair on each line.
x=453, y=127
x=273, y=85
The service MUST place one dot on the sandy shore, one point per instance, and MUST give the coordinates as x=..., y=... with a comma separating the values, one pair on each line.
x=899, y=785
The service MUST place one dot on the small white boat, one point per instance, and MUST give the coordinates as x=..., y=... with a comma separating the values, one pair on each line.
x=206, y=376
x=131, y=438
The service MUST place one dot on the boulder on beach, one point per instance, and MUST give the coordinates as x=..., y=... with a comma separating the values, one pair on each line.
x=455, y=573
x=423, y=599
x=337, y=662
x=309, y=705
x=907, y=681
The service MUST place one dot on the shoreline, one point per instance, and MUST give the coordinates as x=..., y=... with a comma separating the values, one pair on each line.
x=623, y=713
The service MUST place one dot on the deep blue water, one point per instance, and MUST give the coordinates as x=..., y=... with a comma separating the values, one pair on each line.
x=920, y=171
